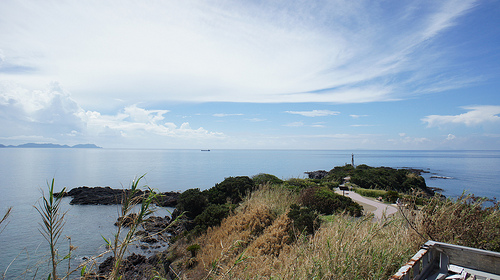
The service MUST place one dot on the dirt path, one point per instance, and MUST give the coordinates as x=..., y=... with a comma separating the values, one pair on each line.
x=380, y=208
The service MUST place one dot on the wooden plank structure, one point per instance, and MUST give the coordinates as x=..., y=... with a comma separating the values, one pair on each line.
x=437, y=260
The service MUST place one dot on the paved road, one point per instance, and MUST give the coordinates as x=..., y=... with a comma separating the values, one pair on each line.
x=381, y=207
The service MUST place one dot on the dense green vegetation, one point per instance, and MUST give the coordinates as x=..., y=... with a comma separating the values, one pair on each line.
x=326, y=201
x=382, y=178
x=209, y=207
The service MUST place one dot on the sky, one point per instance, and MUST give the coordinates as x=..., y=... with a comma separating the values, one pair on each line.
x=216, y=74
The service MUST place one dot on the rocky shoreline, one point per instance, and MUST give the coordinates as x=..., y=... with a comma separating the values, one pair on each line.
x=154, y=235
x=108, y=196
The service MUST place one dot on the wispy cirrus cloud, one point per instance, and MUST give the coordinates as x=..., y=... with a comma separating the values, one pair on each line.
x=314, y=113
x=222, y=115
x=357, y=116
x=476, y=115
x=294, y=124
x=272, y=52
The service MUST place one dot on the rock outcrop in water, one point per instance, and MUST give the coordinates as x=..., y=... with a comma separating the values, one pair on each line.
x=320, y=174
x=109, y=196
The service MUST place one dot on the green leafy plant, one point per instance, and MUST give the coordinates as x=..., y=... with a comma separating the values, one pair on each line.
x=193, y=249
x=304, y=219
x=232, y=190
x=327, y=202
x=264, y=178
x=119, y=246
x=212, y=216
x=53, y=224
x=193, y=202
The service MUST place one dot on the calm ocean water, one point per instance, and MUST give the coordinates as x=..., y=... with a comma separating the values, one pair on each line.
x=25, y=173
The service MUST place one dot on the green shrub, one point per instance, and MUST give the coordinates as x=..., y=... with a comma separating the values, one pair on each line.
x=304, y=219
x=299, y=184
x=330, y=185
x=327, y=202
x=193, y=248
x=391, y=196
x=264, y=178
x=370, y=192
x=232, y=190
x=212, y=216
x=193, y=202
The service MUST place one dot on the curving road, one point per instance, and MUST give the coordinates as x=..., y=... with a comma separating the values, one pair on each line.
x=381, y=207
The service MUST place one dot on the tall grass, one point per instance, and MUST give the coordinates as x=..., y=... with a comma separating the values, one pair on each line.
x=53, y=224
x=118, y=245
x=467, y=220
x=5, y=216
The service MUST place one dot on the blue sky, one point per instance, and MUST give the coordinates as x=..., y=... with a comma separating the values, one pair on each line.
x=251, y=74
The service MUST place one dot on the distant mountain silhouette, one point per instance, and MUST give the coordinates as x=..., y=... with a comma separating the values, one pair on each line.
x=50, y=145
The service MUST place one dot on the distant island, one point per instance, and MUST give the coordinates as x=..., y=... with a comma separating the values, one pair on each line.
x=50, y=145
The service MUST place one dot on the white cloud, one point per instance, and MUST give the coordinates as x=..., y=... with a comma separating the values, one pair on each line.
x=141, y=115
x=221, y=115
x=318, y=125
x=51, y=114
x=199, y=51
x=314, y=113
x=450, y=137
x=408, y=141
x=477, y=115
x=295, y=124
x=134, y=122
x=256, y=120
x=357, y=116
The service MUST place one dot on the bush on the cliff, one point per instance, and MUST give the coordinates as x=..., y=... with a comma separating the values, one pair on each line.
x=212, y=216
x=263, y=178
x=304, y=219
x=391, y=196
x=328, y=202
x=232, y=190
x=299, y=184
x=193, y=202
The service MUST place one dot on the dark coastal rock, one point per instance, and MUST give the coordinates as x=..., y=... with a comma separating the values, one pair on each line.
x=416, y=170
x=109, y=196
x=138, y=266
x=320, y=174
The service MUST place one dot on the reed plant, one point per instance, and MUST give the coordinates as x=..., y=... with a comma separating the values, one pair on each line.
x=4, y=219
x=52, y=224
x=118, y=245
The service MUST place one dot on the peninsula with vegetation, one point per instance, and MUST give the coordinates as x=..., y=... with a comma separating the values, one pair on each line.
x=50, y=145
x=263, y=227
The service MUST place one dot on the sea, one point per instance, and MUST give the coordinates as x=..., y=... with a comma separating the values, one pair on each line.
x=26, y=172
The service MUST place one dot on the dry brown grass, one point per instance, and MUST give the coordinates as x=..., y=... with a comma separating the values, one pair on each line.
x=255, y=243
x=468, y=221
